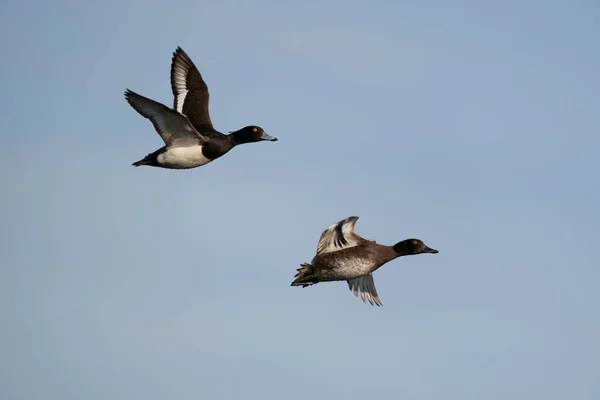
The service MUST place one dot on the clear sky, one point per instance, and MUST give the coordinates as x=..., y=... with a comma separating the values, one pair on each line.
x=474, y=126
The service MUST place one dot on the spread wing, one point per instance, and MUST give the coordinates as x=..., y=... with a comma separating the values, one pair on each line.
x=174, y=128
x=366, y=286
x=339, y=236
x=190, y=91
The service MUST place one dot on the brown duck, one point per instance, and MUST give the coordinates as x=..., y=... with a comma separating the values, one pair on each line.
x=342, y=255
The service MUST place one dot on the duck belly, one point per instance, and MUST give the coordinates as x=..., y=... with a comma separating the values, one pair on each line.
x=345, y=269
x=183, y=157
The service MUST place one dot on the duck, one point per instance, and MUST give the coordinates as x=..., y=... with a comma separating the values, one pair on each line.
x=342, y=255
x=186, y=129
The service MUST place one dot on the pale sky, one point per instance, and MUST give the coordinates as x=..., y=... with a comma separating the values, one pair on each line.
x=474, y=127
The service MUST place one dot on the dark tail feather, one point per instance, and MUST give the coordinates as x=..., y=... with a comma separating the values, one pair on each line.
x=151, y=159
x=304, y=277
x=144, y=161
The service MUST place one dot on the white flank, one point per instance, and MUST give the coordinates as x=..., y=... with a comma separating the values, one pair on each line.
x=183, y=157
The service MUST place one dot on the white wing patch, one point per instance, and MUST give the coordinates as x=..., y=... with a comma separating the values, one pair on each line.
x=366, y=287
x=179, y=85
x=339, y=236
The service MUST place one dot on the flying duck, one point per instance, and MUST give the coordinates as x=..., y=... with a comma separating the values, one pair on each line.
x=342, y=255
x=189, y=136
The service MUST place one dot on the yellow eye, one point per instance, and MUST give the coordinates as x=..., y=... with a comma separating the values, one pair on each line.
x=414, y=242
x=254, y=130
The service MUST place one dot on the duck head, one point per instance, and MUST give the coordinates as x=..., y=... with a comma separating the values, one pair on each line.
x=250, y=134
x=412, y=246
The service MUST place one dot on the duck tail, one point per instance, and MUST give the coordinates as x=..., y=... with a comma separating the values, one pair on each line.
x=305, y=276
x=151, y=159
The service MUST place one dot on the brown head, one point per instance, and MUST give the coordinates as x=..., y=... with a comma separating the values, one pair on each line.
x=412, y=246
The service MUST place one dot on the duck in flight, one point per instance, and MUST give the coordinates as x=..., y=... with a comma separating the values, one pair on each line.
x=189, y=136
x=342, y=255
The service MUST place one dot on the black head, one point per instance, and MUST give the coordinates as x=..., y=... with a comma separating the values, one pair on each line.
x=251, y=134
x=412, y=246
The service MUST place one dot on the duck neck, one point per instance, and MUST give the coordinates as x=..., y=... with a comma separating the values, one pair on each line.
x=238, y=137
x=387, y=253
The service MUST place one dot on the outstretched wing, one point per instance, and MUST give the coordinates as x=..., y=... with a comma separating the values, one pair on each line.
x=190, y=91
x=339, y=236
x=366, y=287
x=174, y=128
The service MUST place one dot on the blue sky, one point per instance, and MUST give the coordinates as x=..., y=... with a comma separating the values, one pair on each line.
x=472, y=126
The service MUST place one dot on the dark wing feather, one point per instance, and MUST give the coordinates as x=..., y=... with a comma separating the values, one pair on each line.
x=174, y=128
x=365, y=285
x=190, y=91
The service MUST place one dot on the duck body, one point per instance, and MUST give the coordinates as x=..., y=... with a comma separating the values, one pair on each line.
x=183, y=157
x=342, y=255
x=193, y=156
x=351, y=263
x=176, y=158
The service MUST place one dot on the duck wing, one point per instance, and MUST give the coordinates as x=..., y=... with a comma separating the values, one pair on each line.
x=365, y=285
x=190, y=91
x=339, y=236
x=174, y=128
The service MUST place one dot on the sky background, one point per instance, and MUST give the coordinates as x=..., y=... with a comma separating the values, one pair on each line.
x=474, y=126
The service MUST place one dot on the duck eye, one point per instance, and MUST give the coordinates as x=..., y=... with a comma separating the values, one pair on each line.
x=254, y=129
x=414, y=242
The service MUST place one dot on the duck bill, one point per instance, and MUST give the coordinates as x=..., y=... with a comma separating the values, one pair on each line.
x=430, y=250
x=270, y=138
